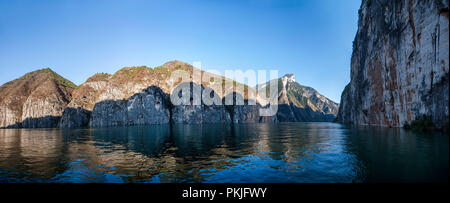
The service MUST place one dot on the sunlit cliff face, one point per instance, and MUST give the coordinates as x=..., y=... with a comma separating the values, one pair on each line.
x=400, y=64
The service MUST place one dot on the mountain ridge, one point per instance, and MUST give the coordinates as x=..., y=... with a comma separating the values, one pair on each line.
x=133, y=94
x=301, y=103
x=34, y=100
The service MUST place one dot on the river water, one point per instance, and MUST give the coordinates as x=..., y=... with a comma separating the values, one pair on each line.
x=247, y=153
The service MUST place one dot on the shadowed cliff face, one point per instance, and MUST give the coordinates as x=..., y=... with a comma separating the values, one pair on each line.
x=148, y=107
x=196, y=114
x=299, y=103
x=153, y=106
x=121, y=86
x=400, y=64
x=35, y=100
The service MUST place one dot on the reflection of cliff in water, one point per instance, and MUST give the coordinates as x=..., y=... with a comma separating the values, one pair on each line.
x=396, y=155
x=263, y=152
x=158, y=153
x=39, y=154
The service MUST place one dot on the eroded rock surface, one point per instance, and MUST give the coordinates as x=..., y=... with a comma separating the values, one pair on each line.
x=36, y=100
x=400, y=64
x=190, y=111
x=145, y=108
x=142, y=96
x=115, y=100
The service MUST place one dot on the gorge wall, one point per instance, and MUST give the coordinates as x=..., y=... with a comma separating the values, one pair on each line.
x=142, y=96
x=399, y=65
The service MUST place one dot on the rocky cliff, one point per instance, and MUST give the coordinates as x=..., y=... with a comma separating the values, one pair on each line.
x=297, y=103
x=142, y=96
x=400, y=64
x=125, y=98
x=151, y=106
x=196, y=114
x=35, y=100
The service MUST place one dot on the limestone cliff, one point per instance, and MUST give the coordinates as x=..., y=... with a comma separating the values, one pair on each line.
x=297, y=103
x=125, y=98
x=35, y=100
x=142, y=96
x=151, y=106
x=400, y=64
x=196, y=114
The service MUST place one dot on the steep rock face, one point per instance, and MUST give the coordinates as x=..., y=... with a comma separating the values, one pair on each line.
x=399, y=67
x=196, y=114
x=106, y=88
x=297, y=103
x=74, y=117
x=107, y=100
x=248, y=112
x=78, y=111
x=35, y=100
x=148, y=107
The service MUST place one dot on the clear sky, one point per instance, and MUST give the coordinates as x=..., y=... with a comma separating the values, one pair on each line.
x=78, y=38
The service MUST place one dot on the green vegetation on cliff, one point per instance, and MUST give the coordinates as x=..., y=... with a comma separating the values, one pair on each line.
x=422, y=123
x=59, y=79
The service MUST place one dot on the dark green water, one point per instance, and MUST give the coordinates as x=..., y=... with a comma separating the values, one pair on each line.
x=271, y=153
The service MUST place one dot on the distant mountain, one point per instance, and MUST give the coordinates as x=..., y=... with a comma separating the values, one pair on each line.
x=297, y=103
x=35, y=100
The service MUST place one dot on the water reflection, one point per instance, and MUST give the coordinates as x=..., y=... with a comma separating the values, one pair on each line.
x=385, y=154
x=283, y=152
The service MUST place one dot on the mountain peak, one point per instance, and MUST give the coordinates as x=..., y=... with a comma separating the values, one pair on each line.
x=41, y=71
x=43, y=75
x=24, y=98
x=175, y=63
x=47, y=69
x=288, y=78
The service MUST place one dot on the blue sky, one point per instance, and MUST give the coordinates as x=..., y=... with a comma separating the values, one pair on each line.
x=78, y=38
